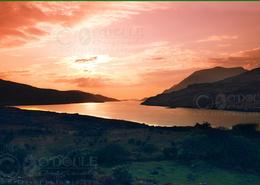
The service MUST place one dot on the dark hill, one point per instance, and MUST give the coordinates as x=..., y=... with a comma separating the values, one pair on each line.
x=241, y=93
x=207, y=76
x=12, y=93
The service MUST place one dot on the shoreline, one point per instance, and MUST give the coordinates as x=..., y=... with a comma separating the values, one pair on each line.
x=78, y=115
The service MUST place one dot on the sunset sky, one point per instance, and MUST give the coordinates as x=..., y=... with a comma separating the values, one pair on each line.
x=124, y=49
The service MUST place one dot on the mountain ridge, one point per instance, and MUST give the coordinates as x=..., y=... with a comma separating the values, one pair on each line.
x=13, y=93
x=241, y=93
x=207, y=75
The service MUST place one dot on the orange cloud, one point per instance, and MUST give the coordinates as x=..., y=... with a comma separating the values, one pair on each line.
x=20, y=20
x=217, y=38
x=15, y=72
x=84, y=82
x=248, y=59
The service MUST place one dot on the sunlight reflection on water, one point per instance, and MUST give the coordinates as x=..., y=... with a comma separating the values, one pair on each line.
x=153, y=115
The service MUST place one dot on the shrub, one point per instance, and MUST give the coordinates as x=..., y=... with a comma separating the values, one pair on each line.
x=112, y=154
x=170, y=152
x=204, y=125
x=149, y=148
x=223, y=150
x=131, y=141
x=122, y=176
x=245, y=128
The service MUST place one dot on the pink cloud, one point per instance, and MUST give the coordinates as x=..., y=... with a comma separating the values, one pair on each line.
x=217, y=38
x=20, y=20
x=8, y=74
x=82, y=82
x=248, y=59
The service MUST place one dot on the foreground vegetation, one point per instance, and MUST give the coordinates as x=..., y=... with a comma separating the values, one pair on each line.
x=50, y=148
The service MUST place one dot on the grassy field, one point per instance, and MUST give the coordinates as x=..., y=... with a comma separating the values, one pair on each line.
x=172, y=172
x=127, y=153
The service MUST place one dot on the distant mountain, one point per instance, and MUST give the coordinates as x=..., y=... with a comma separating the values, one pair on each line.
x=207, y=76
x=241, y=92
x=12, y=93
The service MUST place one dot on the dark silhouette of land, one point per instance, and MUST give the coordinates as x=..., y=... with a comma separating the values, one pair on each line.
x=241, y=93
x=127, y=153
x=12, y=93
x=207, y=76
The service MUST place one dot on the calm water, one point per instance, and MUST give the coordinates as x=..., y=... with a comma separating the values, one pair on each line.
x=133, y=111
